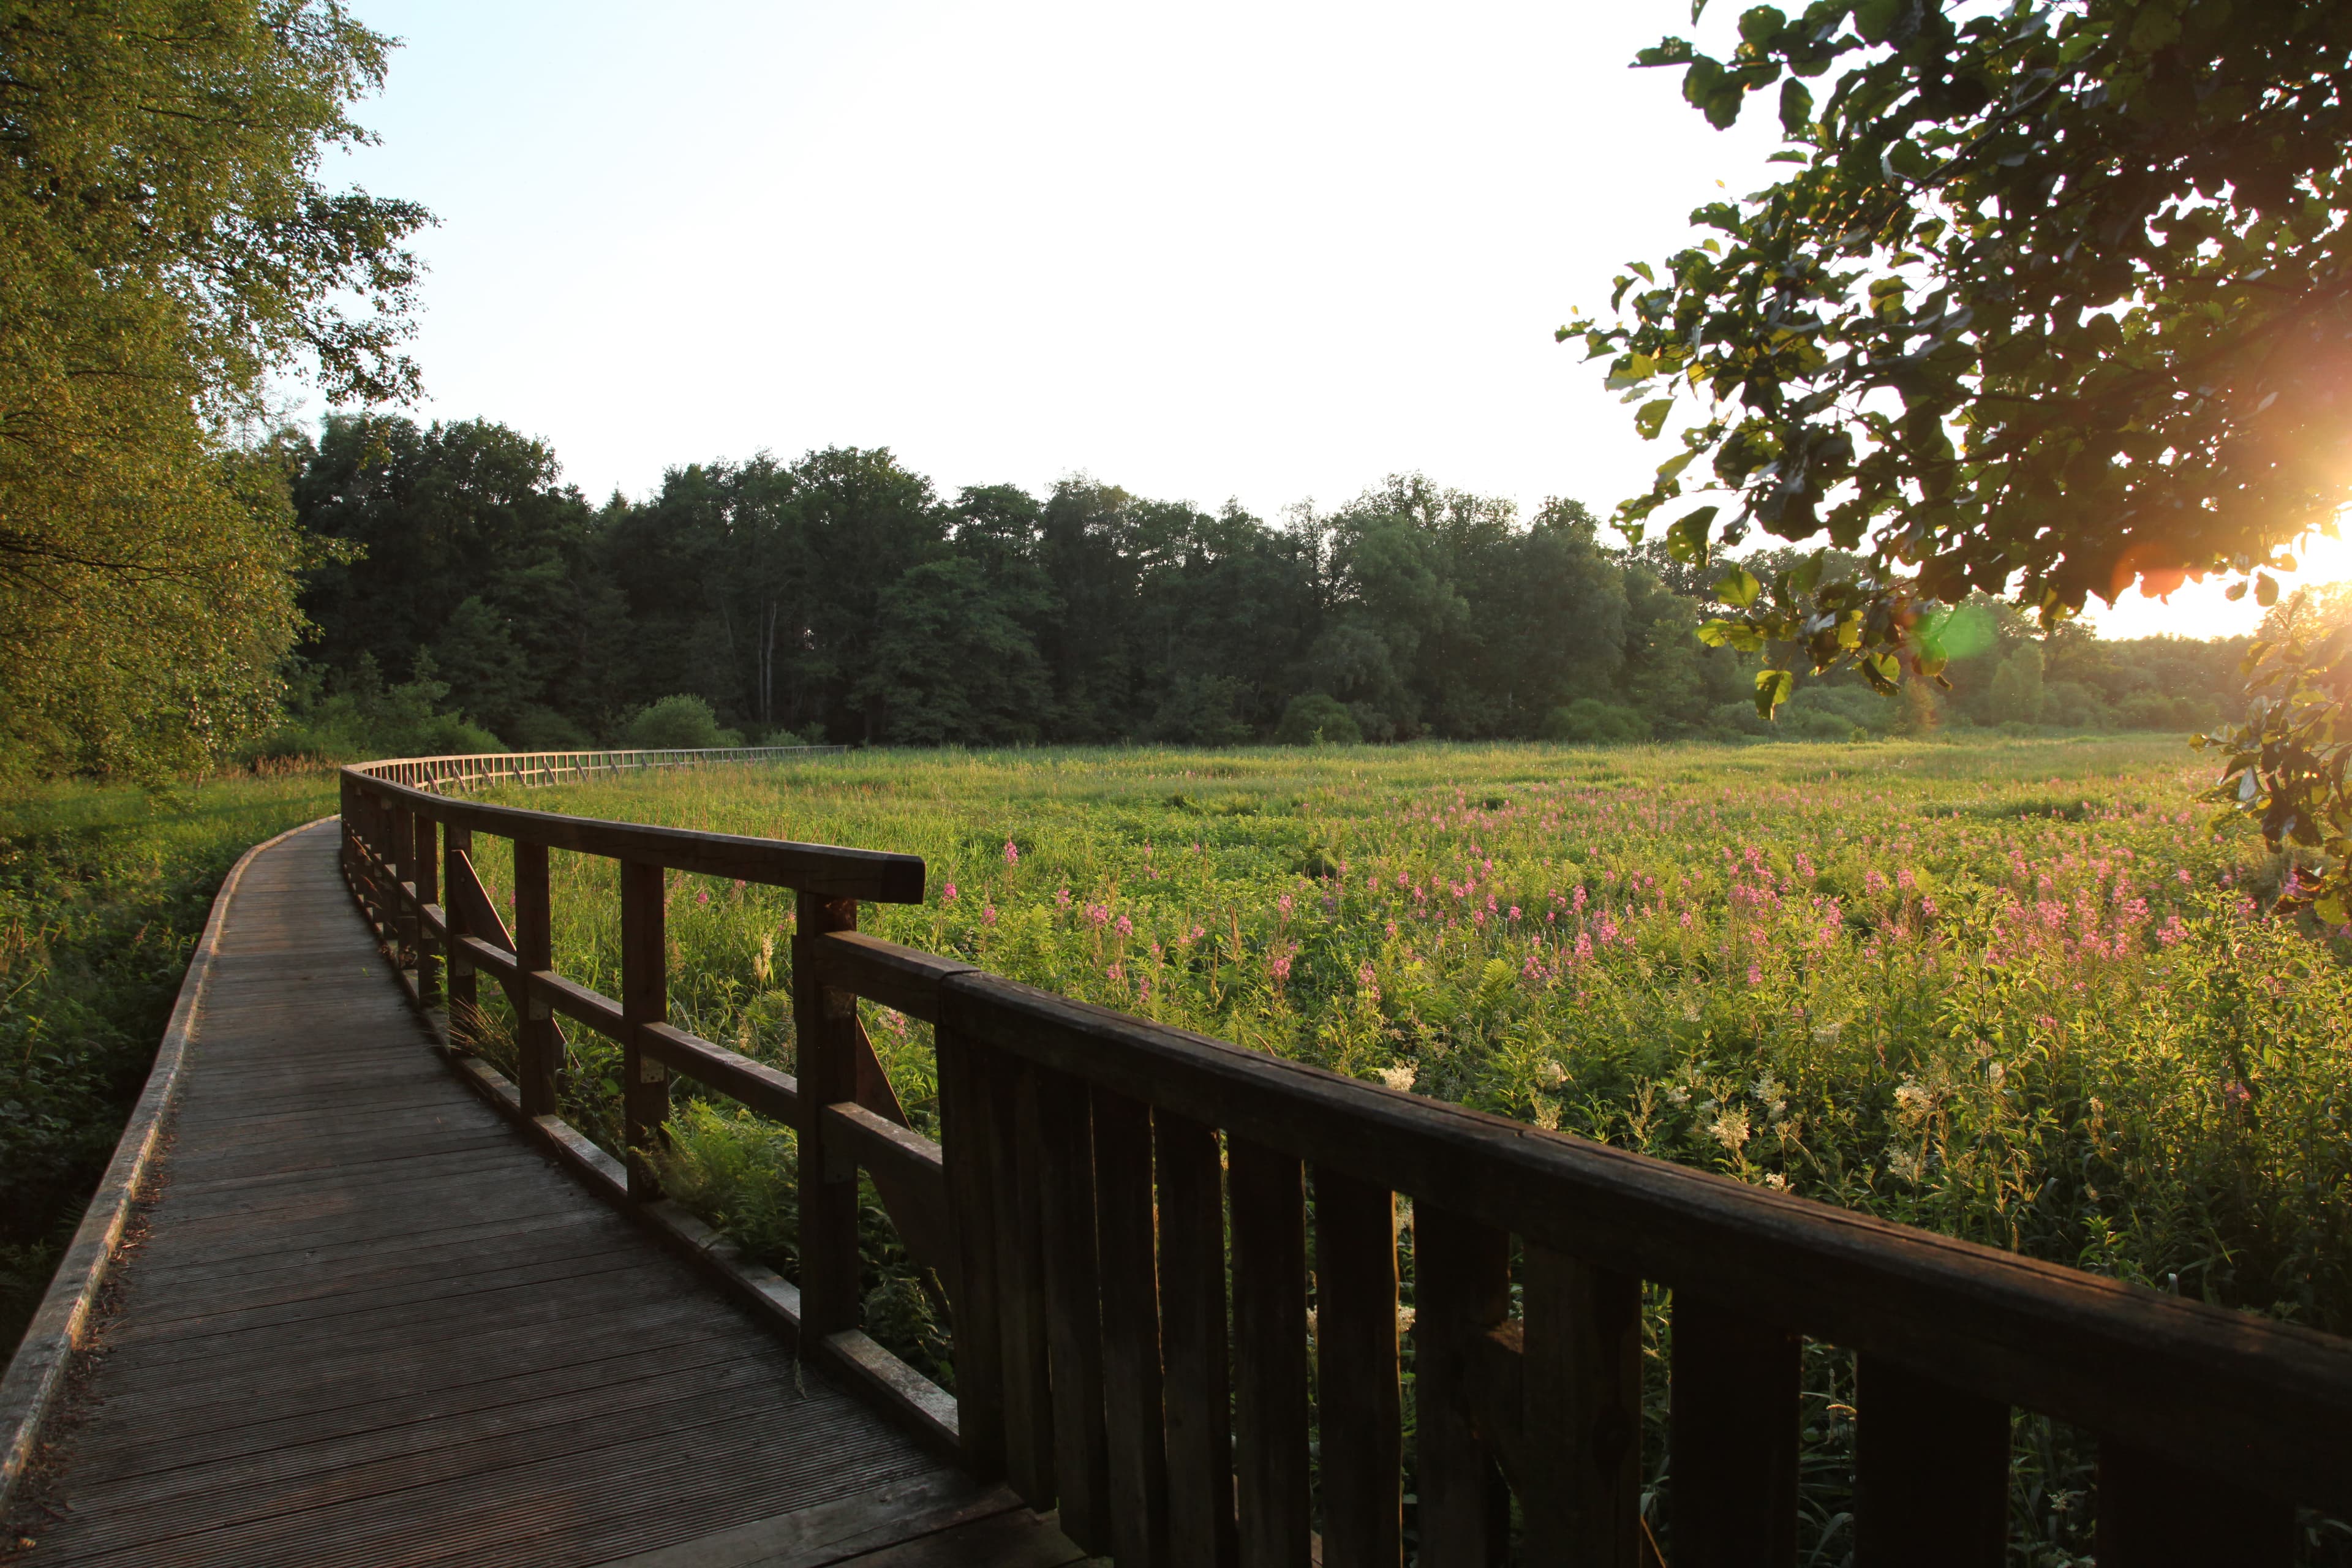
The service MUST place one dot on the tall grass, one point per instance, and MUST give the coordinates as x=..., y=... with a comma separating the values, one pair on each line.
x=2014, y=992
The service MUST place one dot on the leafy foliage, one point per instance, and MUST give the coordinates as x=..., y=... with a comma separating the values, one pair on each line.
x=165, y=247
x=839, y=598
x=2056, y=297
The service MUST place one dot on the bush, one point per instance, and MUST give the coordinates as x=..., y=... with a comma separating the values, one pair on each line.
x=1589, y=721
x=1317, y=719
x=362, y=718
x=541, y=729
x=679, y=723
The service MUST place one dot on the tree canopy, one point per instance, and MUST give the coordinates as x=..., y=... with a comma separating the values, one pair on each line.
x=166, y=249
x=840, y=597
x=2053, y=301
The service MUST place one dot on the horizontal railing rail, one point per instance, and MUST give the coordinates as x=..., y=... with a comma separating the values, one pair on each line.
x=1142, y=1299
x=473, y=772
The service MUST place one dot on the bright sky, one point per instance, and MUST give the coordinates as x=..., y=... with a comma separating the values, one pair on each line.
x=1269, y=251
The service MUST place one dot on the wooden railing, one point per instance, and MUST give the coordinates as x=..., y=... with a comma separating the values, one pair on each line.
x=530, y=768
x=1156, y=1245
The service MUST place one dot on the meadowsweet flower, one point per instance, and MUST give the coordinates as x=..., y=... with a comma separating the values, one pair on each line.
x=1730, y=1128
x=1399, y=1078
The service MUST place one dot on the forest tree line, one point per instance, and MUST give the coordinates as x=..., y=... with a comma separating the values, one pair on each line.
x=466, y=596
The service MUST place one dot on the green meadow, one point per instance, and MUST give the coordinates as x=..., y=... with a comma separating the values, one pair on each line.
x=2015, y=991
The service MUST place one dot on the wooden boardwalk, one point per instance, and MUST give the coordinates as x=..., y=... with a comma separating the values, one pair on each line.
x=370, y=1325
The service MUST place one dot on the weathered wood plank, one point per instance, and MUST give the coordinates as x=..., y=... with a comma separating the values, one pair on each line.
x=1358, y=1403
x=824, y=1023
x=1930, y=1471
x=1130, y=1329
x=1582, y=1422
x=1270, y=1413
x=2153, y=1514
x=1462, y=1288
x=645, y=999
x=1192, y=1333
x=1733, y=1390
x=1063, y=1135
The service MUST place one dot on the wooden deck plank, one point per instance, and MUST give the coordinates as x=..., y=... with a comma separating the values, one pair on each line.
x=369, y=1325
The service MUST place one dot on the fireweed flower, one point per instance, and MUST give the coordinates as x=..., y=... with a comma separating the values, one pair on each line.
x=1012, y=853
x=988, y=914
x=948, y=894
x=1126, y=927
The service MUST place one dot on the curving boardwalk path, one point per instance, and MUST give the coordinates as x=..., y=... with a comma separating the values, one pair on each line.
x=369, y=1325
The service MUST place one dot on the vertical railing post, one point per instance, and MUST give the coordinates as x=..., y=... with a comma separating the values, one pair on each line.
x=966, y=1134
x=1581, y=1413
x=457, y=868
x=1270, y=1371
x=1356, y=1371
x=427, y=856
x=404, y=876
x=825, y=1022
x=645, y=999
x=1732, y=1419
x=1461, y=1292
x=534, y=936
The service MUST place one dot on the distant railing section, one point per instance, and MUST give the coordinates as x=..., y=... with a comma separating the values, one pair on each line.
x=444, y=774
x=1142, y=1301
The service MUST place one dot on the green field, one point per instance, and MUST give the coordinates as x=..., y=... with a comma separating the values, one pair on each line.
x=103, y=892
x=2014, y=990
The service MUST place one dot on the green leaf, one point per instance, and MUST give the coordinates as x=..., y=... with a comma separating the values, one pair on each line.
x=1672, y=468
x=1650, y=418
x=1738, y=588
x=1772, y=689
x=1686, y=538
x=2156, y=26
x=2265, y=589
x=1796, y=111
x=1875, y=19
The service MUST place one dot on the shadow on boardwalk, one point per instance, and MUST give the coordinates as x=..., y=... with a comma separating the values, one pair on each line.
x=369, y=1325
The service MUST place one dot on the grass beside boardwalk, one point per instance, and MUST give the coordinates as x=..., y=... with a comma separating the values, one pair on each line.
x=103, y=892
x=2009, y=990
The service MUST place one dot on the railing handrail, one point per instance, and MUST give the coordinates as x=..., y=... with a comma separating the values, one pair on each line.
x=836, y=872
x=2203, y=1413
x=2089, y=1349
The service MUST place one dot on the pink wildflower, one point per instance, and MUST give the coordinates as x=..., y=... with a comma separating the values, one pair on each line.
x=988, y=914
x=702, y=897
x=1125, y=926
x=1755, y=976
x=948, y=894
x=1012, y=853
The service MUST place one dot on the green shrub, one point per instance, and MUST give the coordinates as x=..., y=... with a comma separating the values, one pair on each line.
x=1317, y=719
x=1589, y=721
x=544, y=730
x=357, y=716
x=679, y=724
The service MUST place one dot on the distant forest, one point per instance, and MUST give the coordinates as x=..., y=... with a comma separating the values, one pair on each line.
x=468, y=598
